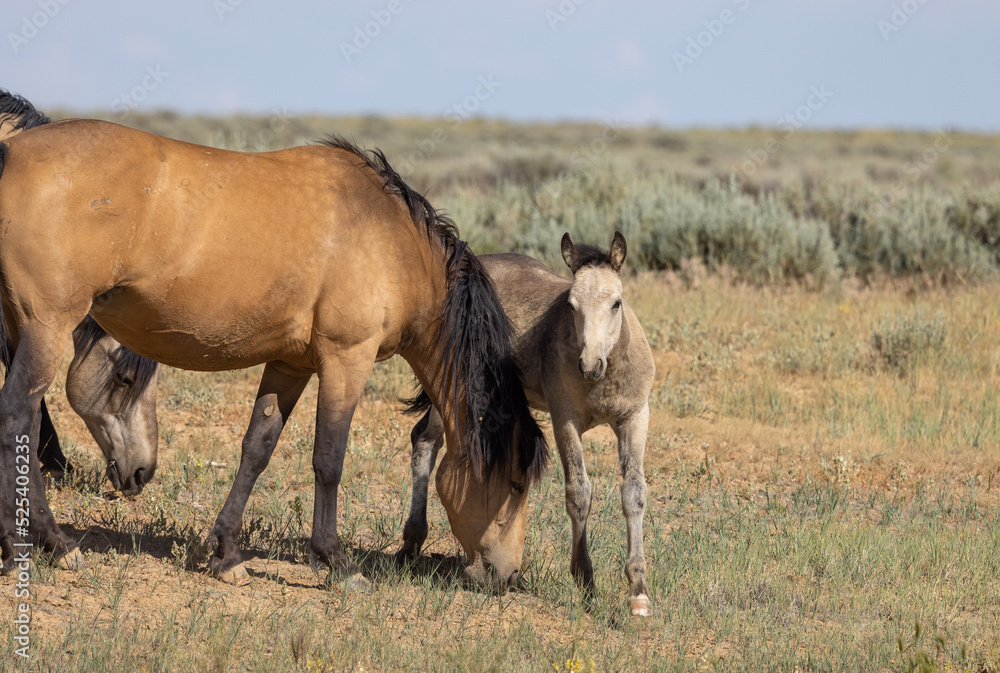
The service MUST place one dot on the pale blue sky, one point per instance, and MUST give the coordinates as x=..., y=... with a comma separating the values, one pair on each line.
x=597, y=60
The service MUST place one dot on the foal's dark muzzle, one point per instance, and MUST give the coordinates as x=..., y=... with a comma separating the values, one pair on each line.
x=594, y=374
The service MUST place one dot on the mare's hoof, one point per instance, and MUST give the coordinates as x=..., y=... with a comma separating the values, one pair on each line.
x=358, y=583
x=355, y=583
x=639, y=605
x=237, y=575
x=71, y=560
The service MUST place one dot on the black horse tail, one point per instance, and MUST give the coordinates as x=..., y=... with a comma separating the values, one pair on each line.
x=475, y=335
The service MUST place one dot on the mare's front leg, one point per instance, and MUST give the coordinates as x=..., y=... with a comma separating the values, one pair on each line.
x=427, y=438
x=567, y=430
x=342, y=376
x=24, y=511
x=276, y=398
x=631, y=433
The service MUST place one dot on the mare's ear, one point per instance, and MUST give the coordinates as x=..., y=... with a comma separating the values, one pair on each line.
x=568, y=252
x=618, y=251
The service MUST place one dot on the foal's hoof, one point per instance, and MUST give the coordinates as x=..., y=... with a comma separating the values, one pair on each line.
x=639, y=605
x=71, y=560
x=236, y=575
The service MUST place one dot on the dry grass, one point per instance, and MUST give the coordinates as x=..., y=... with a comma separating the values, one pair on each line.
x=821, y=461
x=810, y=508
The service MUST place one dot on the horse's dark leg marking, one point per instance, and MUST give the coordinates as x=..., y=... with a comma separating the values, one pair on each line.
x=631, y=434
x=50, y=452
x=579, y=494
x=427, y=437
x=276, y=398
x=34, y=367
x=341, y=381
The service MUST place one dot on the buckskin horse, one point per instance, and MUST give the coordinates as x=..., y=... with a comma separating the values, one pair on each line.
x=317, y=259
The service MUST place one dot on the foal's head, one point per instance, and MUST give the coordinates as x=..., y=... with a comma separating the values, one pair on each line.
x=596, y=301
x=114, y=392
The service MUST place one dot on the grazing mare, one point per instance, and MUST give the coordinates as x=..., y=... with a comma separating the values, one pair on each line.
x=584, y=359
x=316, y=259
x=105, y=379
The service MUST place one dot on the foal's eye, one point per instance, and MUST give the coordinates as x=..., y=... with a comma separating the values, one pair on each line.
x=617, y=305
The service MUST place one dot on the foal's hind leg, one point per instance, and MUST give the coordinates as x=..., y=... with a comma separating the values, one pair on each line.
x=631, y=434
x=578, y=496
x=276, y=398
x=427, y=437
x=33, y=368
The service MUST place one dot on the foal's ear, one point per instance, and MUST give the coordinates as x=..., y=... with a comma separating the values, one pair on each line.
x=618, y=251
x=568, y=252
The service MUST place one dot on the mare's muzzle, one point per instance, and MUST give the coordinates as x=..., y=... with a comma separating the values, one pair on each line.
x=129, y=482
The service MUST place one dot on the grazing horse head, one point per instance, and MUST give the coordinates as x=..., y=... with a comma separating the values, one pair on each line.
x=596, y=300
x=114, y=392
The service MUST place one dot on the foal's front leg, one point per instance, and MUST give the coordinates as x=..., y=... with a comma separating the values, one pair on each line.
x=427, y=437
x=579, y=495
x=631, y=433
x=276, y=398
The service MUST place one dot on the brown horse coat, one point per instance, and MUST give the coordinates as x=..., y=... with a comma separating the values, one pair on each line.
x=316, y=259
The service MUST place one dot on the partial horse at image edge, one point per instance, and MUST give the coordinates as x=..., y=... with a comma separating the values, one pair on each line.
x=105, y=379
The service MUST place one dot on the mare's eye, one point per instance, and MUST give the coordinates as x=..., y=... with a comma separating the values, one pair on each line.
x=617, y=305
x=122, y=379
